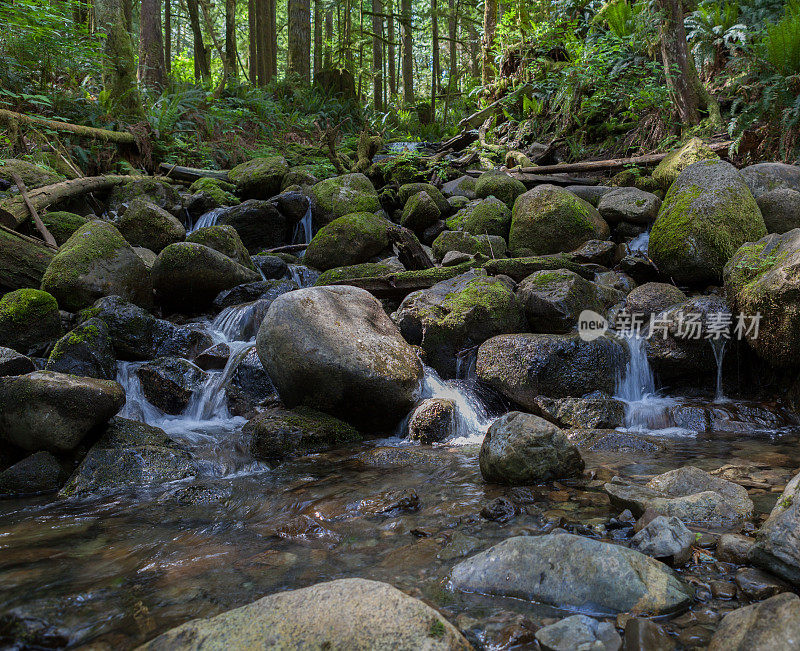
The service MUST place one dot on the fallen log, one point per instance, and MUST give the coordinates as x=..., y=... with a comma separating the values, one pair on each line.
x=118, y=137
x=287, y=248
x=191, y=174
x=458, y=142
x=539, y=179
x=46, y=235
x=23, y=260
x=409, y=250
x=14, y=210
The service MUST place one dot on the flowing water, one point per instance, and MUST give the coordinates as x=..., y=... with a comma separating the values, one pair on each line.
x=209, y=218
x=304, y=231
x=640, y=243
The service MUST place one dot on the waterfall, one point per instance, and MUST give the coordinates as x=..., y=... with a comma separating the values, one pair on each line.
x=471, y=418
x=466, y=361
x=136, y=405
x=302, y=275
x=718, y=346
x=239, y=322
x=306, y=225
x=207, y=219
x=640, y=243
x=210, y=402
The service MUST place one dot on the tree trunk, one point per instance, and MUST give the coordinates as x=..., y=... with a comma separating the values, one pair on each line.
x=317, y=36
x=435, y=52
x=328, y=62
x=473, y=45
x=675, y=55
x=390, y=53
x=298, y=59
x=202, y=67
x=168, y=36
x=377, y=54
x=272, y=35
x=489, y=27
x=252, y=42
x=230, y=38
x=408, y=52
x=151, y=48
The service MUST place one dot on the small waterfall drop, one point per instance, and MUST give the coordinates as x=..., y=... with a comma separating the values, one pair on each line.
x=640, y=243
x=305, y=227
x=466, y=362
x=207, y=219
x=302, y=275
x=718, y=346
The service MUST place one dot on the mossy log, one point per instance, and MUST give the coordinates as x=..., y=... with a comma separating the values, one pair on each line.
x=117, y=137
x=190, y=174
x=23, y=260
x=14, y=211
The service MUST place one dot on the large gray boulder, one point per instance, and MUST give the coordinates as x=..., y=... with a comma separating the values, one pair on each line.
x=666, y=539
x=260, y=224
x=765, y=177
x=573, y=572
x=14, y=363
x=329, y=347
x=342, y=614
x=342, y=195
x=772, y=624
x=52, y=411
x=780, y=209
x=708, y=213
x=457, y=314
x=170, y=382
x=525, y=366
x=259, y=178
x=38, y=473
x=579, y=632
x=629, y=205
x=777, y=547
x=521, y=449
x=145, y=224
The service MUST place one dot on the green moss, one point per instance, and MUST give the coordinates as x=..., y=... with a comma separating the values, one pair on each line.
x=520, y=268
x=351, y=239
x=27, y=306
x=343, y=195
x=63, y=224
x=489, y=217
x=220, y=191
x=226, y=240
x=750, y=266
x=499, y=185
x=260, y=176
x=365, y=270
x=487, y=294
x=436, y=629
x=546, y=279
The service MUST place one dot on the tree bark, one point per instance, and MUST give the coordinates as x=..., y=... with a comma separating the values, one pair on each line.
x=328, y=62
x=272, y=40
x=252, y=42
x=151, y=48
x=377, y=54
x=202, y=63
x=390, y=53
x=118, y=137
x=298, y=60
x=23, y=260
x=675, y=55
x=408, y=52
x=489, y=28
x=435, y=72
x=317, y=36
x=230, y=38
x=168, y=36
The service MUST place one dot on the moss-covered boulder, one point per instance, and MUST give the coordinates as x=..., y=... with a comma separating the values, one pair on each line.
x=154, y=190
x=348, y=240
x=342, y=195
x=488, y=217
x=457, y=314
x=762, y=277
x=259, y=223
x=189, y=276
x=31, y=174
x=220, y=191
x=62, y=224
x=259, y=178
x=299, y=176
x=97, y=261
x=652, y=298
x=708, y=213
x=679, y=159
x=226, y=240
x=549, y=219
x=410, y=189
x=29, y=319
x=145, y=224
x=463, y=186
x=521, y=268
x=500, y=185
x=86, y=350
x=363, y=270
x=420, y=212
x=53, y=411
x=492, y=246
x=280, y=433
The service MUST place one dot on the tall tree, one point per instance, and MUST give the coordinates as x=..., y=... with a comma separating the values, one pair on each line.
x=408, y=52
x=151, y=48
x=317, y=36
x=272, y=38
x=489, y=28
x=298, y=60
x=390, y=53
x=435, y=71
x=230, y=39
x=377, y=54
x=252, y=42
x=328, y=60
x=202, y=56
x=168, y=35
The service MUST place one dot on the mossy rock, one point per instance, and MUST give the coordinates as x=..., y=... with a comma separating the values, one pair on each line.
x=488, y=217
x=490, y=246
x=408, y=190
x=29, y=318
x=226, y=240
x=500, y=185
x=549, y=219
x=463, y=186
x=343, y=195
x=348, y=240
x=145, y=224
x=350, y=272
x=301, y=176
x=97, y=261
x=679, y=159
x=31, y=174
x=86, y=350
x=420, y=212
x=281, y=433
x=708, y=213
x=220, y=191
x=402, y=169
x=259, y=178
x=62, y=224
x=521, y=268
x=154, y=190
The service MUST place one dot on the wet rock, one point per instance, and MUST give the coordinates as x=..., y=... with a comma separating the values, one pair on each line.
x=679, y=159
x=770, y=624
x=463, y=186
x=281, y=433
x=145, y=224
x=500, y=185
x=260, y=224
x=549, y=219
x=687, y=493
x=639, y=267
x=554, y=300
x=765, y=177
x=342, y=195
x=39, y=473
x=328, y=347
x=86, y=350
x=500, y=509
x=271, y=266
x=758, y=585
x=226, y=240
x=347, y=613
x=776, y=549
x=156, y=191
x=590, y=193
x=666, y=539
x=459, y=546
x=583, y=413
x=214, y=358
x=630, y=205
x=186, y=341
x=52, y=411
x=616, y=280
x=708, y=213
x=611, y=440
x=780, y=210
x=573, y=572
x=249, y=387
x=304, y=529
x=492, y=246
x=457, y=314
x=525, y=366
x=259, y=178
x=521, y=449
x=652, y=298
x=189, y=276
x=389, y=502
x=29, y=320
x=348, y=240
x=293, y=203
x=420, y=212
x=645, y=635
x=129, y=454
x=170, y=382
x=734, y=548
x=599, y=252
x=579, y=632
x=453, y=258
x=433, y=420
x=14, y=363
x=260, y=290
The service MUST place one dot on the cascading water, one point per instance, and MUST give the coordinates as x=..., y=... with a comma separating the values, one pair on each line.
x=207, y=219
x=640, y=243
x=305, y=227
x=466, y=362
x=718, y=346
x=302, y=275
